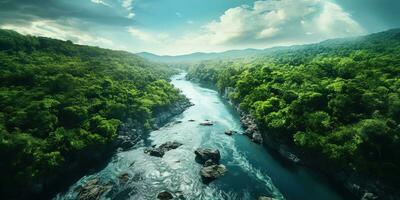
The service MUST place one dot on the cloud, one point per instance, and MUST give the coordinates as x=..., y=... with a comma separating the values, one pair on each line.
x=261, y=25
x=333, y=21
x=100, y=2
x=128, y=5
x=130, y=15
x=276, y=22
x=52, y=29
x=87, y=11
x=147, y=36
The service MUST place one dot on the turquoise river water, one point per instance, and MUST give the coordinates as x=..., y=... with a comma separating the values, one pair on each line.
x=252, y=170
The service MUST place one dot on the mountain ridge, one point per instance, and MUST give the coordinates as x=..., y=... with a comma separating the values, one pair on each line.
x=251, y=52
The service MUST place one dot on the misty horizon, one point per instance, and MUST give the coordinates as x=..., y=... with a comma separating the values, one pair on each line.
x=191, y=26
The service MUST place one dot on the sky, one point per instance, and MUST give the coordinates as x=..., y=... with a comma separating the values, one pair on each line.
x=175, y=27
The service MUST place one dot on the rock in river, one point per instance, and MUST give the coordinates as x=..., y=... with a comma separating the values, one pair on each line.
x=212, y=172
x=230, y=132
x=203, y=155
x=124, y=177
x=251, y=129
x=206, y=123
x=155, y=152
x=164, y=195
x=169, y=146
x=209, y=163
x=92, y=190
x=257, y=138
x=160, y=151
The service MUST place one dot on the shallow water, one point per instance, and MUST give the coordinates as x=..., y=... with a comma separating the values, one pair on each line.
x=252, y=171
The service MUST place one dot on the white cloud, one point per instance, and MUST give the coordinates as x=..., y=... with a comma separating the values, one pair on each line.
x=276, y=22
x=130, y=15
x=334, y=22
x=147, y=36
x=127, y=4
x=268, y=33
x=264, y=24
x=48, y=28
x=100, y=2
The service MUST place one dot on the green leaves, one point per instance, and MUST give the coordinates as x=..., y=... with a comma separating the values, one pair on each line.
x=59, y=101
x=104, y=127
x=319, y=122
x=337, y=99
x=73, y=116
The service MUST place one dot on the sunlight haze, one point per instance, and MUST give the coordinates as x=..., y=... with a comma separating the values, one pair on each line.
x=174, y=27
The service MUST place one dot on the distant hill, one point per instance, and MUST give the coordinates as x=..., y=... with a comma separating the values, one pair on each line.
x=245, y=53
x=194, y=57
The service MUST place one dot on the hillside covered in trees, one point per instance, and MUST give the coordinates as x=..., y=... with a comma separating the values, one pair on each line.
x=60, y=102
x=337, y=102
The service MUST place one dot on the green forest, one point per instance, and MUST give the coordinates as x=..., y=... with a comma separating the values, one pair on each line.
x=337, y=102
x=59, y=101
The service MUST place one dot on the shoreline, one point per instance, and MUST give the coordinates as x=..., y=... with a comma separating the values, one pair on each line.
x=353, y=184
x=129, y=134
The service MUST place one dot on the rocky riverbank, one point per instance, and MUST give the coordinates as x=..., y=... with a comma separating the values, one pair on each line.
x=361, y=186
x=129, y=133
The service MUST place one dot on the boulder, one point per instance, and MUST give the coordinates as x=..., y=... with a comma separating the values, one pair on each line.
x=246, y=121
x=203, y=155
x=164, y=195
x=160, y=151
x=206, y=123
x=251, y=129
x=230, y=132
x=179, y=195
x=91, y=190
x=191, y=120
x=155, y=152
x=169, y=146
x=257, y=138
x=209, y=163
x=178, y=122
x=212, y=172
x=124, y=177
x=249, y=124
x=125, y=142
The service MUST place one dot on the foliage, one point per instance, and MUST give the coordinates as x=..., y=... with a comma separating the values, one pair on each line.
x=338, y=99
x=58, y=100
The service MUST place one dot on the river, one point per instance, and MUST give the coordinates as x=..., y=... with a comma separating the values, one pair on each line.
x=252, y=170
